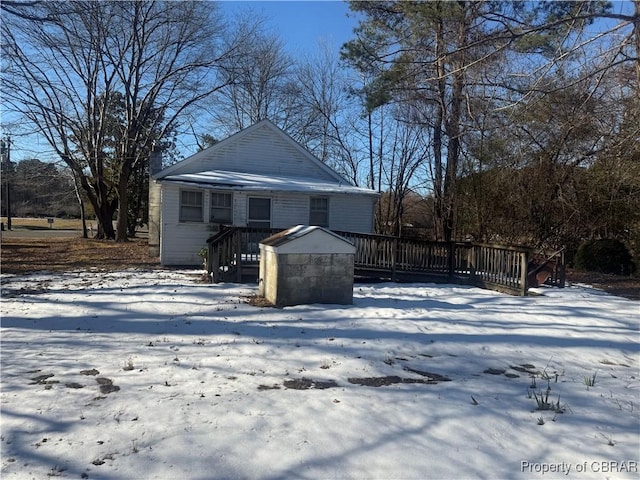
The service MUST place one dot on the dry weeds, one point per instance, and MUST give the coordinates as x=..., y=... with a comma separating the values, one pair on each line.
x=26, y=255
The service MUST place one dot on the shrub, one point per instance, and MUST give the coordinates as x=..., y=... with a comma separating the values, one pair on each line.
x=604, y=256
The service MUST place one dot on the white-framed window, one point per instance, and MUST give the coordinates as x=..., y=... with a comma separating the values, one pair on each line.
x=259, y=214
x=191, y=206
x=319, y=211
x=221, y=208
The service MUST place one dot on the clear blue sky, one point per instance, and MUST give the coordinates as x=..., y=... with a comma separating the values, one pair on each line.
x=302, y=24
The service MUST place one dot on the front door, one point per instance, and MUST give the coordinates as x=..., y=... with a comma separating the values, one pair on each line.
x=259, y=212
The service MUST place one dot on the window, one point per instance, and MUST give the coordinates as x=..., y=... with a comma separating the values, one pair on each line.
x=190, y=206
x=259, y=212
x=221, y=208
x=319, y=211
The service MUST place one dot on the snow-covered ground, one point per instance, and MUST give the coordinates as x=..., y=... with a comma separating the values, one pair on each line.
x=150, y=374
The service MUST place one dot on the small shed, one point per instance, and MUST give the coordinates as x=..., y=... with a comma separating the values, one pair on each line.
x=306, y=264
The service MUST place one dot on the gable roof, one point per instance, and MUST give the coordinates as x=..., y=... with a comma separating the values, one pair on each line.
x=205, y=160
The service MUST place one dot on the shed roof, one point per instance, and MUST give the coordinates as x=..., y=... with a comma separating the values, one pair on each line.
x=315, y=239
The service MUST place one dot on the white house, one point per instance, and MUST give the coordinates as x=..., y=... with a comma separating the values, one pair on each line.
x=259, y=177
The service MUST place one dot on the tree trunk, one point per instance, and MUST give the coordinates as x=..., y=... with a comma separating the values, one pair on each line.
x=81, y=205
x=453, y=129
x=453, y=156
x=438, y=189
x=636, y=35
x=104, y=217
x=99, y=198
x=123, y=209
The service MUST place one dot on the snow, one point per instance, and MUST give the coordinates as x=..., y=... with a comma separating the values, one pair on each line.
x=221, y=179
x=193, y=381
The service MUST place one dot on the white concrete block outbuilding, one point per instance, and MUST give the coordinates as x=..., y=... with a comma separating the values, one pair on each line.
x=306, y=264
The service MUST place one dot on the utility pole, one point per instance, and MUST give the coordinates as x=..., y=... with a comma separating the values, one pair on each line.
x=5, y=151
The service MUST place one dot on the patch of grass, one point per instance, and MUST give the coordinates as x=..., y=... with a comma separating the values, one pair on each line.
x=610, y=441
x=590, y=381
x=27, y=255
x=543, y=402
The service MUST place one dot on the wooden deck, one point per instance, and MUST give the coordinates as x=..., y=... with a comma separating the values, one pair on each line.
x=233, y=256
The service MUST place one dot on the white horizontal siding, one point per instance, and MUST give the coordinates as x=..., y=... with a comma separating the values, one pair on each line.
x=240, y=209
x=261, y=151
x=352, y=213
x=289, y=210
x=180, y=242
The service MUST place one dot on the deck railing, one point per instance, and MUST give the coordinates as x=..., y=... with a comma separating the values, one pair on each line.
x=232, y=248
x=495, y=267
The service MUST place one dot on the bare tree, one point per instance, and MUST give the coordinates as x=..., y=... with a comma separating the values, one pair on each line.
x=324, y=112
x=65, y=74
x=256, y=81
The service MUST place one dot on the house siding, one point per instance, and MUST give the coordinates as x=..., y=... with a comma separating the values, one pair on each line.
x=291, y=209
x=259, y=152
x=181, y=241
x=352, y=213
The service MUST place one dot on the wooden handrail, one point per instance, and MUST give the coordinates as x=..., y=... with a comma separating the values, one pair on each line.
x=497, y=267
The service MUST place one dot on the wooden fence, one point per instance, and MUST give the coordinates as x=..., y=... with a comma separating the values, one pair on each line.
x=234, y=252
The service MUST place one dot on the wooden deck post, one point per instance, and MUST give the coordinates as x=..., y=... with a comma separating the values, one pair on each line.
x=238, y=255
x=394, y=257
x=472, y=259
x=524, y=283
x=214, y=263
x=209, y=260
x=450, y=259
x=562, y=273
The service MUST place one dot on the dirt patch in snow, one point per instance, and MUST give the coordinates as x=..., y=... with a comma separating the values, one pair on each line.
x=388, y=380
x=618, y=285
x=307, y=383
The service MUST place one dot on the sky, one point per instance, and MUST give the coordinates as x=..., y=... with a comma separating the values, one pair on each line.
x=152, y=374
x=302, y=24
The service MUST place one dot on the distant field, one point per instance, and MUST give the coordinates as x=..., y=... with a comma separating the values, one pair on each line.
x=43, y=224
